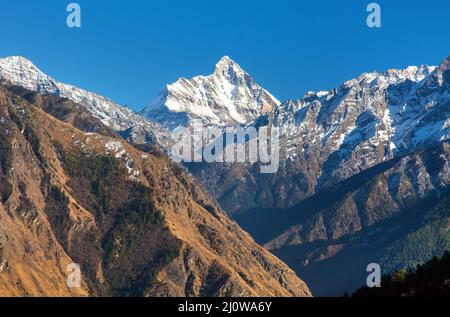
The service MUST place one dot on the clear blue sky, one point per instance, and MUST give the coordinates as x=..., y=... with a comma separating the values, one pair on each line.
x=128, y=50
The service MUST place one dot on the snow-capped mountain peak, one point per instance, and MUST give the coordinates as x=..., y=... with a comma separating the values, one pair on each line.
x=227, y=97
x=22, y=72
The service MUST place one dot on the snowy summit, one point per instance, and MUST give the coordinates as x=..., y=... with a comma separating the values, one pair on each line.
x=227, y=97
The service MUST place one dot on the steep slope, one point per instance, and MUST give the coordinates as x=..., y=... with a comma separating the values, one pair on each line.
x=22, y=72
x=327, y=137
x=395, y=214
x=226, y=98
x=135, y=222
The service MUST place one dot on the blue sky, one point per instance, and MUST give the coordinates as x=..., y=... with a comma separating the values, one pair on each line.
x=128, y=50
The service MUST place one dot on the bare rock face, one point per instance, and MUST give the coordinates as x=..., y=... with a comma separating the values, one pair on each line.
x=404, y=183
x=73, y=191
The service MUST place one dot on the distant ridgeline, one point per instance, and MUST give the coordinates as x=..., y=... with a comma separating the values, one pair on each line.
x=429, y=280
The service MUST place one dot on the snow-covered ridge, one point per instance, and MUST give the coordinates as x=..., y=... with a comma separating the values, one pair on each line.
x=22, y=72
x=227, y=97
x=374, y=116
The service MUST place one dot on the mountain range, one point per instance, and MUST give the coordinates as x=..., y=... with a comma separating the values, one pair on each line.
x=340, y=139
x=327, y=137
x=135, y=222
x=367, y=159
